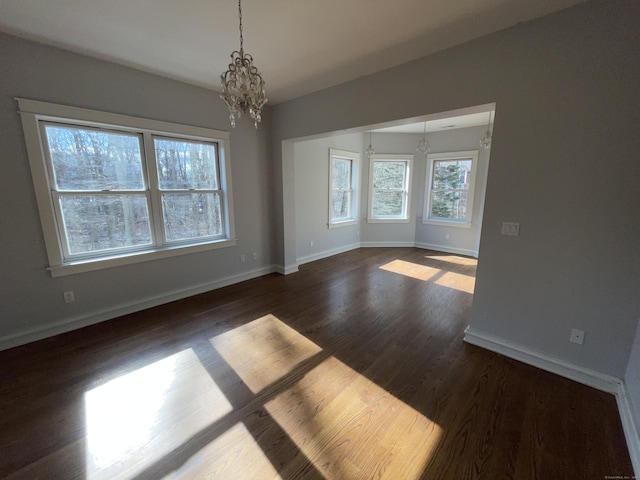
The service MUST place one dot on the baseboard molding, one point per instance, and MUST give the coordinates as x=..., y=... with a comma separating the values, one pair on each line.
x=447, y=249
x=387, y=244
x=630, y=425
x=74, y=323
x=600, y=381
x=327, y=253
x=286, y=269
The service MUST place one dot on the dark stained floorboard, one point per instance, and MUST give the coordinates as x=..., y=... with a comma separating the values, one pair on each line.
x=353, y=367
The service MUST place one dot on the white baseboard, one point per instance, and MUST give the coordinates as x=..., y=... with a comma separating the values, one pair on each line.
x=447, y=249
x=286, y=269
x=630, y=425
x=74, y=323
x=327, y=253
x=387, y=244
x=600, y=381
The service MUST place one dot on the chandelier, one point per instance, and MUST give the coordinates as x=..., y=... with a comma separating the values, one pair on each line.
x=243, y=85
x=485, y=141
x=423, y=145
x=370, y=151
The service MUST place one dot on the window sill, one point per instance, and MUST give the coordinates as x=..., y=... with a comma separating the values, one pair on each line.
x=82, y=266
x=345, y=223
x=388, y=220
x=446, y=223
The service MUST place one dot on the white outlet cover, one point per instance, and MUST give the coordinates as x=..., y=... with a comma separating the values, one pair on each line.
x=577, y=336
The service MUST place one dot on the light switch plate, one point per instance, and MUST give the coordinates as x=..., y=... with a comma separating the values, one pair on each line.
x=510, y=228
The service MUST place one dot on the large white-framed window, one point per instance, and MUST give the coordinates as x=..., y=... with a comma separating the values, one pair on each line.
x=114, y=189
x=389, y=184
x=343, y=188
x=450, y=187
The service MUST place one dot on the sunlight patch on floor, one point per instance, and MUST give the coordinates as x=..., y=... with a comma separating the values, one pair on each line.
x=454, y=259
x=136, y=419
x=233, y=455
x=456, y=281
x=270, y=350
x=330, y=419
x=463, y=283
x=410, y=269
x=349, y=427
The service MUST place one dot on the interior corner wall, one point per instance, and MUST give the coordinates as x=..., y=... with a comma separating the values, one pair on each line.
x=563, y=164
x=32, y=304
x=312, y=198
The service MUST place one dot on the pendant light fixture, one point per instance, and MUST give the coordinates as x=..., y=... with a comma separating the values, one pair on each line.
x=423, y=145
x=485, y=141
x=242, y=85
x=370, y=150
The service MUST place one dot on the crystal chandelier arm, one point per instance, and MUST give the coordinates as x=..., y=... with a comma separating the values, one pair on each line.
x=242, y=84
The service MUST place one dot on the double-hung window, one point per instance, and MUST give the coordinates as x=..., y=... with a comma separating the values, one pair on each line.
x=343, y=188
x=390, y=179
x=113, y=189
x=450, y=188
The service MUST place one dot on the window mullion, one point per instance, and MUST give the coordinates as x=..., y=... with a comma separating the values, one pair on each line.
x=157, y=218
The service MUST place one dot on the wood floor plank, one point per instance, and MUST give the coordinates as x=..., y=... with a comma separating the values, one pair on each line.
x=352, y=368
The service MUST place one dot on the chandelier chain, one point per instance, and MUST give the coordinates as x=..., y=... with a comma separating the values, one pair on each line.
x=240, y=18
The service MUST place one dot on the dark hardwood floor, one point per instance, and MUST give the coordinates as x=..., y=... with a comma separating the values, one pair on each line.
x=352, y=368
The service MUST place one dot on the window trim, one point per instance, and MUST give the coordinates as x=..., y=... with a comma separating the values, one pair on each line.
x=408, y=159
x=33, y=112
x=461, y=155
x=355, y=204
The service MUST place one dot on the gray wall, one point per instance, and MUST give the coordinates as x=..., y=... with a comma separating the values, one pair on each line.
x=464, y=240
x=633, y=376
x=392, y=233
x=564, y=163
x=312, y=191
x=31, y=300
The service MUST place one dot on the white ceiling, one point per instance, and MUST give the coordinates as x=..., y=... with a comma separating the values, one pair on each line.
x=300, y=46
x=440, y=124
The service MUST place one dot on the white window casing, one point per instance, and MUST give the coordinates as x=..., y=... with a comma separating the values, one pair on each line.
x=343, y=188
x=40, y=120
x=389, y=188
x=450, y=188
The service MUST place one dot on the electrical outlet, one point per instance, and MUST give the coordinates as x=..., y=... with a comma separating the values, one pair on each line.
x=446, y=236
x=255, y=255
x=69, y=297
x=311, y=243
x=242, y=258
x=577, y=336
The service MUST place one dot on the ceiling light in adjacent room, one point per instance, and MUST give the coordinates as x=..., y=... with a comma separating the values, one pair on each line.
x=370, y=150
x=485, y=141
x=423, y=145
